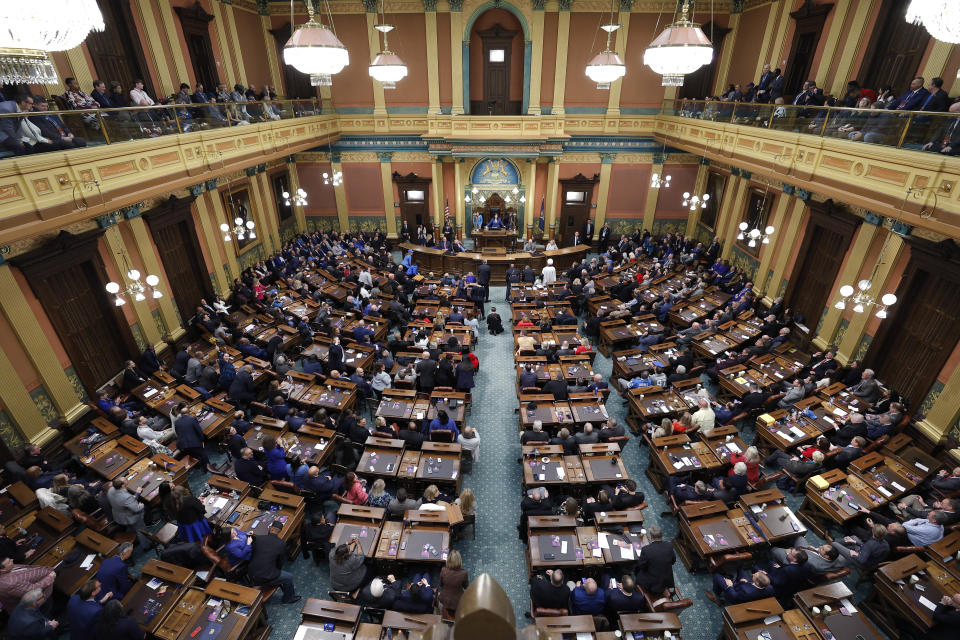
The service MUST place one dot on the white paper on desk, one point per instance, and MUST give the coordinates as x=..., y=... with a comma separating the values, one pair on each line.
x=926, y=603
x=846, y=604
x=733, y=447
x=771, y=619
x=219, y=503
x=785, y=436
x=829, y=419
x=563, y=547
x=203, y=575
x=561, y=472
x=626, y=553
x=151, y=393
x=88, y=561
x=757, y=508
x=797, y=432
x=154, y=583
x=541, y=477
x=597, y=553
x=602, y=541
x=921, y=467
x=584, y=636
x=320, y=446
x=678, y=465
x=884, y=492
x=898, y=486
x=839, y=412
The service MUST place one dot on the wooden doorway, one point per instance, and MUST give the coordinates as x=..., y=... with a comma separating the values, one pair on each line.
x=414, y=193
x=809, y=19
x=174, y=233
x=895, y=51
x=497, y=45
x=699, y=84
x=912, y=345
x=296, y=84
x=112, y=50
x=196, y=31
x=68, y=277
x=576, y=198
x=826, y=240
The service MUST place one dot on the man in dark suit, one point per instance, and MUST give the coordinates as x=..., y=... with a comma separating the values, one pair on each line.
x=623, y=596
x=28, y=622
x=577, y=241
x=249, y=470
x=84, y=609
x=483, y=279
x=550, y=591
x=745, y=588
x=655, y=563
x=848, y=453
x=946, y=139
x=512, y=275
x=938, y=100
x=787, y=579
x=529, y=276
x=588, y=231
x=190, y=436
x=426, y=372
x=114, y=573
x=335, y=356
x=604, y=237
x=855, y=426
x=754, y=399
x=820, y=363
x=528, y=377
x=912, y=99
x=52, y=127
x=557, y=387
x=266, y=564
x=777, y=85
x=763, y=85
x=946, y=618
x=241, y=389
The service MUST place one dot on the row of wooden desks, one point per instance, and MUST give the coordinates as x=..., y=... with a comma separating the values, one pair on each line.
x=580, y=409
x=557, y=541
x=708, y=531
x=435, y=462
x=906, y=591
x=675, y=455
x=406, y=404
x=619, y=334
x=422, y=537
x=546, y=465
x=344, y=618
x=634, y=626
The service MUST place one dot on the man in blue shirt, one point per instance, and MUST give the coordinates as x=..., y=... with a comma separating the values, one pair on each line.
x=925, y=531
x=587, y=598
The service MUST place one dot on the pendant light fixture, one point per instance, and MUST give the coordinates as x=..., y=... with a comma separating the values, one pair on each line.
x=138, y=290
x=682, y=48
x=606, y=67
x=314, y=48
x=941, y=18
x=387, y=68
x=755, y=235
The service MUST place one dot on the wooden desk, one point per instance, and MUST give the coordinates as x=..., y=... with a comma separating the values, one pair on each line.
x=736, y=380
x=396, y=405
x=342, y=615
x=687, y=457
x=651, y=404
x=409, y=621
x=155, y=594
x=381, y=457
x=558, y=546
x=553, y=414
x=543, y=464
x=213, y=415
x=745, y=621
x=604, y=469
x=770, y=513
x=886, y=474
x=221, y=503
x=82, y=444
x=237, y=624
x=566, y=624
x=847, y=497
x=437, y=261
x=114, y=457
x=902, y=602
x=785, y=432
x=47, y=525
x=650, y=623
x=313, y=444
x=704, y=539
x=836, y=595
x=427, y=544
x=362, y=526
x=91, y=544
x=289, y=509
x=503, y=238
x=147, y=474
x=331, y=394
x=16, y=500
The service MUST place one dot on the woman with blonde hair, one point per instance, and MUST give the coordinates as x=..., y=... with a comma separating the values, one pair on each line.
x=430, y=497
x=378, y=495
x=453, y=581
x=665, y=429
x=467, y=502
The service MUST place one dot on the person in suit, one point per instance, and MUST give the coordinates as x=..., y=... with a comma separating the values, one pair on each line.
x=865, y=554
x=821, y=363
x=946, y=139
x=513, y=276
x=83, y=610
x=534, y=434
x=266, y=563
x=249, y=470
x=587, y=598
x=754, y=399
x=335, y=356
x=744, y=587
x=426, y=372
x=114, y=573
x=28, y=623
x=654, y=569
x=820, y=560
x=947, y=481
x=577, y=240
x=417, y=597
x=494, y=322
x=380, y=593
x=777, y=85
x=848, y=453
x=855, y=426
x=126, y=507
x=623, y=596
x=763, y=85
x=604, y=237
x=241, y=389
x=868, y=389
x=52, y=127
x=588, y=230
x=946, y=618
x=190, y=436
x=557, y=386
x=483, y=279
x=912, y=99
x=549, y=590
x=788, y=578
x=938, y=99
x=528, y=377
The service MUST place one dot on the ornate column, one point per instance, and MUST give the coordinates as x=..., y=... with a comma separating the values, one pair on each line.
x=848, y=274
x=436, y=190
x=852, y=39
x=270, y=44
x=621, y=34
x=945, y=412
x=261, y=214
x=699, y=188
x=653, y=194
x=120, y=258
x=726, y=53
x=269, y=205
x=457, y=45
x=776, y=9
x=30, y=335
x=433, y=56
x=553, y=186
x=530, y=208
x=779, y=240
x=141, y=237
x=80, y=67
x=151, y=32
x=173, y=40
x=233, y=39
x=796, y=210
x=18, y=404
x=210, y=237
x=386, y=182
x=731, y=214
x=339, y=192
x=560, y=69
x=536, y=58
x=830, y=47
x=229, y=69
x=459, y=192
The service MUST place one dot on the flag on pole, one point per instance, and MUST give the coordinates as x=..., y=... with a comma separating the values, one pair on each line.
x=446, y=209
x=543, y=203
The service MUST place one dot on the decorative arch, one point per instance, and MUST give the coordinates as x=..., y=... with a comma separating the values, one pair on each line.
x=495, y=178
x=527, y=49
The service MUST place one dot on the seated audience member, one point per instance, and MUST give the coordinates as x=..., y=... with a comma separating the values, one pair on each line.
x=417, y=597
x=534, y=434
x=380, y=593
x=744, y=587
x=587, y=598
x=820, y=560
x=623, y=596
x=249, y=470
x=865, y=555
x=347, y=569
x=550, y=591
x=53, y=128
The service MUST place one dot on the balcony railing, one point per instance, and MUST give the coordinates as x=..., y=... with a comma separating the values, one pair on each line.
x=110, y=126
x=916, y=130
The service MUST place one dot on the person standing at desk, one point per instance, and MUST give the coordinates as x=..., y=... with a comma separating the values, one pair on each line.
x=190, y=437
x=483, y=279
x=83, y=610
x=26, y=621
x=495, y=224
x=266, y=562
x=114, y=574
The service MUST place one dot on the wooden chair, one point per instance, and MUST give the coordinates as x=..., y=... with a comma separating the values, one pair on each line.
x=162, y=538
x=668, y=600
x=545, y=612
x=441, y=435
x=346, y=597
x=466, y=461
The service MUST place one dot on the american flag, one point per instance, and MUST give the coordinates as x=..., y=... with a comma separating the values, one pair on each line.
x=446, y=209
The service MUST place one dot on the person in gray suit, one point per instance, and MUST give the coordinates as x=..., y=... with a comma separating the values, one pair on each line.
x=127, y=508
x=820, y=560
x=868, y=389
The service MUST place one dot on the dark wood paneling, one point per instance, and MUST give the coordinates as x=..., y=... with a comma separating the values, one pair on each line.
x=825, y=242
x=496, y=75
x=895, y=50
x=116, y=54
x=68, y=277
x=296, y=84
x=913, y=343
x=280, y=182
x=196, y=31
x=175, y=235
x=573, y=215
x=809, y=20
x=415, y=212
x=716, y=183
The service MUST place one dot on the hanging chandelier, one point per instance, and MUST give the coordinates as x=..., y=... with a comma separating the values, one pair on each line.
x=136, y=289
x=680, y=49
x=314, y=49
x=694, y=202
x=33, y=29
x=336, y=178
x=387, y=68
x=606, y=67
x=861, y=299
x=658, y=180
x=941, y=18
x=755, y=235
x=299, y=198
x=242, y=230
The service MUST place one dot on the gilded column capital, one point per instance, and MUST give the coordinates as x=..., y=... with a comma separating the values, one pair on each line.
x=370, y=6
x=250, y=171
x=456, y=5
x=211, y=184
x=263, y=7
x=539, y=5
x=705, y=162
x=871, y=218
x=788, y=189
x=607, y=158
x=566, y=5
x=803, y=194
x=133, y=211
x=107, y=220
x=196, y=189
x=430, y=5
x=385, y=156
x=626, y=5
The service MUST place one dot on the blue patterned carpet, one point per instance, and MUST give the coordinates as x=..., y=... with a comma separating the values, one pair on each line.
x=496, y=481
